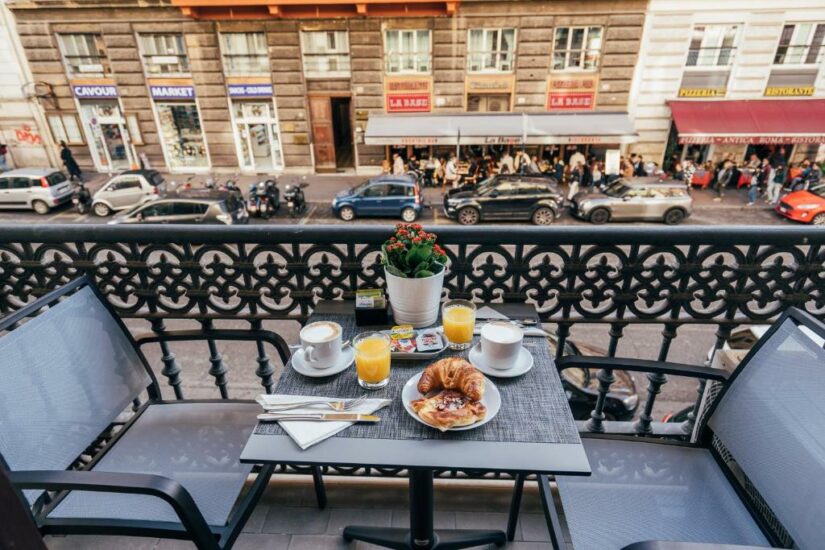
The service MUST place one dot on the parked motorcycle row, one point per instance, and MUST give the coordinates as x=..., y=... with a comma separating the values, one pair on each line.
x=264, y=198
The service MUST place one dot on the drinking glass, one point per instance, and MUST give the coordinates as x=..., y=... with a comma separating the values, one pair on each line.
x=459, y=320
x=372, y=359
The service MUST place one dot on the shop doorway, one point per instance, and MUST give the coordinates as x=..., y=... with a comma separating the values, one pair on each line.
x=488, y=103
x=332, y=141
x=257, y=137
x=342, y=132
x=106, y=132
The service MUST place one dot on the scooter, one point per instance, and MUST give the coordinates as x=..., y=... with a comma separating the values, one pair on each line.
x=269, y=197
x=294, y=198
x=82, y=199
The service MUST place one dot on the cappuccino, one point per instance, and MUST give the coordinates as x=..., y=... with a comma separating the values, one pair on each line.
x=321, y=343
x=501, y=333
x=501, y=344
x=321, y=331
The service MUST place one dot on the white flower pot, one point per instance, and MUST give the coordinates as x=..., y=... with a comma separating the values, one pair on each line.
x=415, y=301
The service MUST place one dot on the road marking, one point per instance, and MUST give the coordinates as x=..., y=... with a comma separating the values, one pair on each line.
x=435, y=216
x=308, y=216
x=59, y=215
x=80, y=217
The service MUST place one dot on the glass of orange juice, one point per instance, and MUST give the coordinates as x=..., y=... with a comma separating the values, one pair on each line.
x=372, y=359
x=459, y=320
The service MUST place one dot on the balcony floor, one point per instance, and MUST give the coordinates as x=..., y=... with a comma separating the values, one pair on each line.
x=287, y=519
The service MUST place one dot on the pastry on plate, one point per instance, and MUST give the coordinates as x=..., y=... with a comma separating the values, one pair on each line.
x=453, y=373
x=449, y=409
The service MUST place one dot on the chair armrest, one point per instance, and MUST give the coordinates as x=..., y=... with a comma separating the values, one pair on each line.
x=161, y=487
x=250, y=335
x=641, y=365
x=671, y=545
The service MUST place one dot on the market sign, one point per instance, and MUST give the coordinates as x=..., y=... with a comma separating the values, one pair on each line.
x=408, y=94
x=249, y=90
x=95, y=91
x=572, y=92
x=172, y=92
x=698, y=139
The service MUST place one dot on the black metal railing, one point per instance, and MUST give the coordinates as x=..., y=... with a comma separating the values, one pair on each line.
x=670, y=277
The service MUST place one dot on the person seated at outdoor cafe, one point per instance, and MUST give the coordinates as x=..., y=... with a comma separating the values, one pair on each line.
x=413, y=163
x=810, y=174
x=451, y=173
x=505, y=164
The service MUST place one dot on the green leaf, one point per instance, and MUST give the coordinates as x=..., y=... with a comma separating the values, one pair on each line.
x=423, y=273
x=389, y=268
x=418, y=254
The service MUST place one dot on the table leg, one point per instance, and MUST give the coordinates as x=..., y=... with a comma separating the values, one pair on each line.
x=421, y=536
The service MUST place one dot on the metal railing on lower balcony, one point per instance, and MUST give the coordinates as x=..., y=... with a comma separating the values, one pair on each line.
x=621, y=276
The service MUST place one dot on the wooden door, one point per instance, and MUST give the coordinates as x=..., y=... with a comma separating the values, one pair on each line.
x=323, y=139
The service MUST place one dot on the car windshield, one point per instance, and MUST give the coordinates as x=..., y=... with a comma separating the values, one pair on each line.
x=486, y=183
x=617, y=189
x=360, y=187
x=129, y=213
x=156, y=179
x=818, y=190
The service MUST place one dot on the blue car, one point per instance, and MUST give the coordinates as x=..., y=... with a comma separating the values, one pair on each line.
x=390, y=196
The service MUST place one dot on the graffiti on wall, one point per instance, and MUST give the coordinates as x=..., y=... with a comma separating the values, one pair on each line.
x=28, y=135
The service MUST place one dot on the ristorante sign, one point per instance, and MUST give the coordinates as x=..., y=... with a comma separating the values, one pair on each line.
x=699, y=139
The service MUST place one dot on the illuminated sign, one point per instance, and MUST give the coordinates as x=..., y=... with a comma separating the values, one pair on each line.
x=408, y=94
x=572, y=92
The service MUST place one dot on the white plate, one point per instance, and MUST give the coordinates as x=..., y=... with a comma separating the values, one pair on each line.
x=523, y=364
x=491, y=400
x=344, y=361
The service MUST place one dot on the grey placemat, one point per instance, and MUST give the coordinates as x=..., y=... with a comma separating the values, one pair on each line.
x=533, y=406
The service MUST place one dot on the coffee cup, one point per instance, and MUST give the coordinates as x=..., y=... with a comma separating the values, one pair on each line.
x=501, y=344
x=321, y=344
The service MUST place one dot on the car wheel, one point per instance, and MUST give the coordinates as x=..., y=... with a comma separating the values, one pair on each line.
x=543, y=216
x=819, y=219
x=102, y=210
x=468, y=216
x=40, y=207
x=347, y=213
x=599, y=216
x=674, y=216
x=408, y=215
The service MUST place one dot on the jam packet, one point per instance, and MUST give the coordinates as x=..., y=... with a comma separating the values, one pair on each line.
x=428, y=340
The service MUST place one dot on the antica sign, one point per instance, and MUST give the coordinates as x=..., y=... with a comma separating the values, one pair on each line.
x=86, y=91
x=172, y=92
x=755, y=140
x=408, y=94
x=571, y=93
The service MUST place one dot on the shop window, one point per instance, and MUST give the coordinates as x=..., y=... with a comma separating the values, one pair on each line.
x=84, y=55
x=801, y=44
x=244, y=53
x=577, y=48
x=325, y=54
x=491, y=50
x=65, y=128
x=182, y=135
x=712, y=46
x=407, y=51
x=164, y=54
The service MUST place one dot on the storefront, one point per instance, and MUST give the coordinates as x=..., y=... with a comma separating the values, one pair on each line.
x=179, y=126
x=489, y=93
x=255, y=127
x=105, y=127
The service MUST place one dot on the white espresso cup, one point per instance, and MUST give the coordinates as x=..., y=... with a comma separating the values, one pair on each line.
x=501, y=344
x=321, y=344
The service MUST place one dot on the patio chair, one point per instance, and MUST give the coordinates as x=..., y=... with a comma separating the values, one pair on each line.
x=68, y=369
x=754, y=478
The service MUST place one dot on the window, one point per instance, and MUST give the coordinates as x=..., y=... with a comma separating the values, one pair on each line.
x=124, y=184
x=188, y=208
x=55, y=178
x=712, y=46
x=19, y=183
x=4, y=183
x=244, y=53
x=325, y=53
x=379, y=190
x=491, y=50
x=577, y=48
x=65, y=128
x=182, y=135
x=84, y=54
x=164, y=54
x=800, y=44
x=407, y=51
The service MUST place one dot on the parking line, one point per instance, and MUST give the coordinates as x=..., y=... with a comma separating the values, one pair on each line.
x=60, y=214
x=80, y=217
x=309, y=215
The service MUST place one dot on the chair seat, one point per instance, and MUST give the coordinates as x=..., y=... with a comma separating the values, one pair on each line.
x=196, y=444
x=646, y=491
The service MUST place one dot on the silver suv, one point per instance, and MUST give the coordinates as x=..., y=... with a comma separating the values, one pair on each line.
x=128, y=190
x=636, y=199
x=40, y=189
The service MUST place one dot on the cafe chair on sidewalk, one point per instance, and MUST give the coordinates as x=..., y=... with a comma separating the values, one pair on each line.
x=69, y=369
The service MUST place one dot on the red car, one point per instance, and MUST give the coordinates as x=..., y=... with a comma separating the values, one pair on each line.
x=804, y=206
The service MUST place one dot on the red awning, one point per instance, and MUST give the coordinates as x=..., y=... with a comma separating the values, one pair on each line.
x=759, y=121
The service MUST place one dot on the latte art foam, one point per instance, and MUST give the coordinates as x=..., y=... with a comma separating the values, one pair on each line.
x=320, y=332
x=501, y=333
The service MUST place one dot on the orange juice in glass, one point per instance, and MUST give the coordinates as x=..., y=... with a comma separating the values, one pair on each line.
x=372, y=359
x=459, y=320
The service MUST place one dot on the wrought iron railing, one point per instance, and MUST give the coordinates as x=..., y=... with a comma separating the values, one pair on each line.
x=670, y=277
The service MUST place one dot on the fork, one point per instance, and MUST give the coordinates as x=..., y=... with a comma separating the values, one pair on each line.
x=343, y=405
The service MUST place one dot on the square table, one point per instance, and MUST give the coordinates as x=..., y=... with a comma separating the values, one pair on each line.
x=534, y=433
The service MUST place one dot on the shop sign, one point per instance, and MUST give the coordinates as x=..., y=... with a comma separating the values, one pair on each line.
x=572, y=92
x=702, y=92
x=95, y=91
x=786, y=91
x=502, y=140
x=490, y=84
x=172, y=92
x=751, y=140
x=249, y=90
x=408, y=94
x=408, y=103
x=416, y=141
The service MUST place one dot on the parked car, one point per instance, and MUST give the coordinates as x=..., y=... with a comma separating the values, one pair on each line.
x=635, y=199
x=39, y=189
x=804, y=206
x=214, y=207
x=507, y=197
x=390, y=196
x=128, y=190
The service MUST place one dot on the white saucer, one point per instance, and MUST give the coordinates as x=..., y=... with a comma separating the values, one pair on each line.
x=523, y=364
x=491, y=400
x=344, y=361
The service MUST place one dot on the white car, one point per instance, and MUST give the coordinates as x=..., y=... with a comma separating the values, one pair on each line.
x=128, y=190
x=40, y=189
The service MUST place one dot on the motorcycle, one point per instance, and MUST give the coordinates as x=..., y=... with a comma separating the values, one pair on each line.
x=82, y=199
x=294, y=198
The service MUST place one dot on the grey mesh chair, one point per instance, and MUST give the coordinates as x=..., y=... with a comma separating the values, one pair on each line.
x=755, y=478
x=68, y=369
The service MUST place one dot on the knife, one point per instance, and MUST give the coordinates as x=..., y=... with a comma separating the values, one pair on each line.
x=319, y=417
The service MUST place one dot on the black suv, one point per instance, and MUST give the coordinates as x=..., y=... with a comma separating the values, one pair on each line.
x=506, y=197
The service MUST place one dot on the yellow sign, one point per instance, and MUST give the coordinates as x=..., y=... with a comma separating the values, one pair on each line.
x=702, y=92
x=789, y=91
x=490, y=84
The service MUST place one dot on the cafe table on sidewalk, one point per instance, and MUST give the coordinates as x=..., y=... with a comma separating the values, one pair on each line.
x=533, y=433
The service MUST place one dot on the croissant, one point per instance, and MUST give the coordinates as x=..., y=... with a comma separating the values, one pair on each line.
x=453, y=373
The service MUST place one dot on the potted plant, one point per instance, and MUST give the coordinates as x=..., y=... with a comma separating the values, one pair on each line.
x=414, y=267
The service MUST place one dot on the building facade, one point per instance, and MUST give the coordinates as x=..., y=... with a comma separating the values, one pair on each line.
x=253, y=87
x=760, y=62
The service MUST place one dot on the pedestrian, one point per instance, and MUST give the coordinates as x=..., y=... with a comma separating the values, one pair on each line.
x=69, y=162
x=758, y=178
x=451, y=173
x=397, y=164
x=722, y=179
x=575, y=179
x=690, y=169
x=627, y=167
x=597, y=173
x=639, y=167
x=558, y=169
x=577, y=158
x=506, y=161
x=533, y=167
x=776, y=180
x=4, y=150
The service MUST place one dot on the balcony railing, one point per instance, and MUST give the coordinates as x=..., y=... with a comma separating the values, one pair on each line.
x=710, y=57
x=799, y=55
x=663, y=277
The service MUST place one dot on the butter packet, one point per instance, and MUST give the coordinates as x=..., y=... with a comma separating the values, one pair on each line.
x=401, y=332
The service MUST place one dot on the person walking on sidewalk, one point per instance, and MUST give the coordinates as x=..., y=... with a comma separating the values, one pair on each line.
x=69, y=162
x=723, y=178
x=775, y=182
x=759, y=178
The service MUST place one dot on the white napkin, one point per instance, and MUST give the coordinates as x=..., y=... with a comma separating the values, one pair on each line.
x=308, y=433
x=487, y=313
